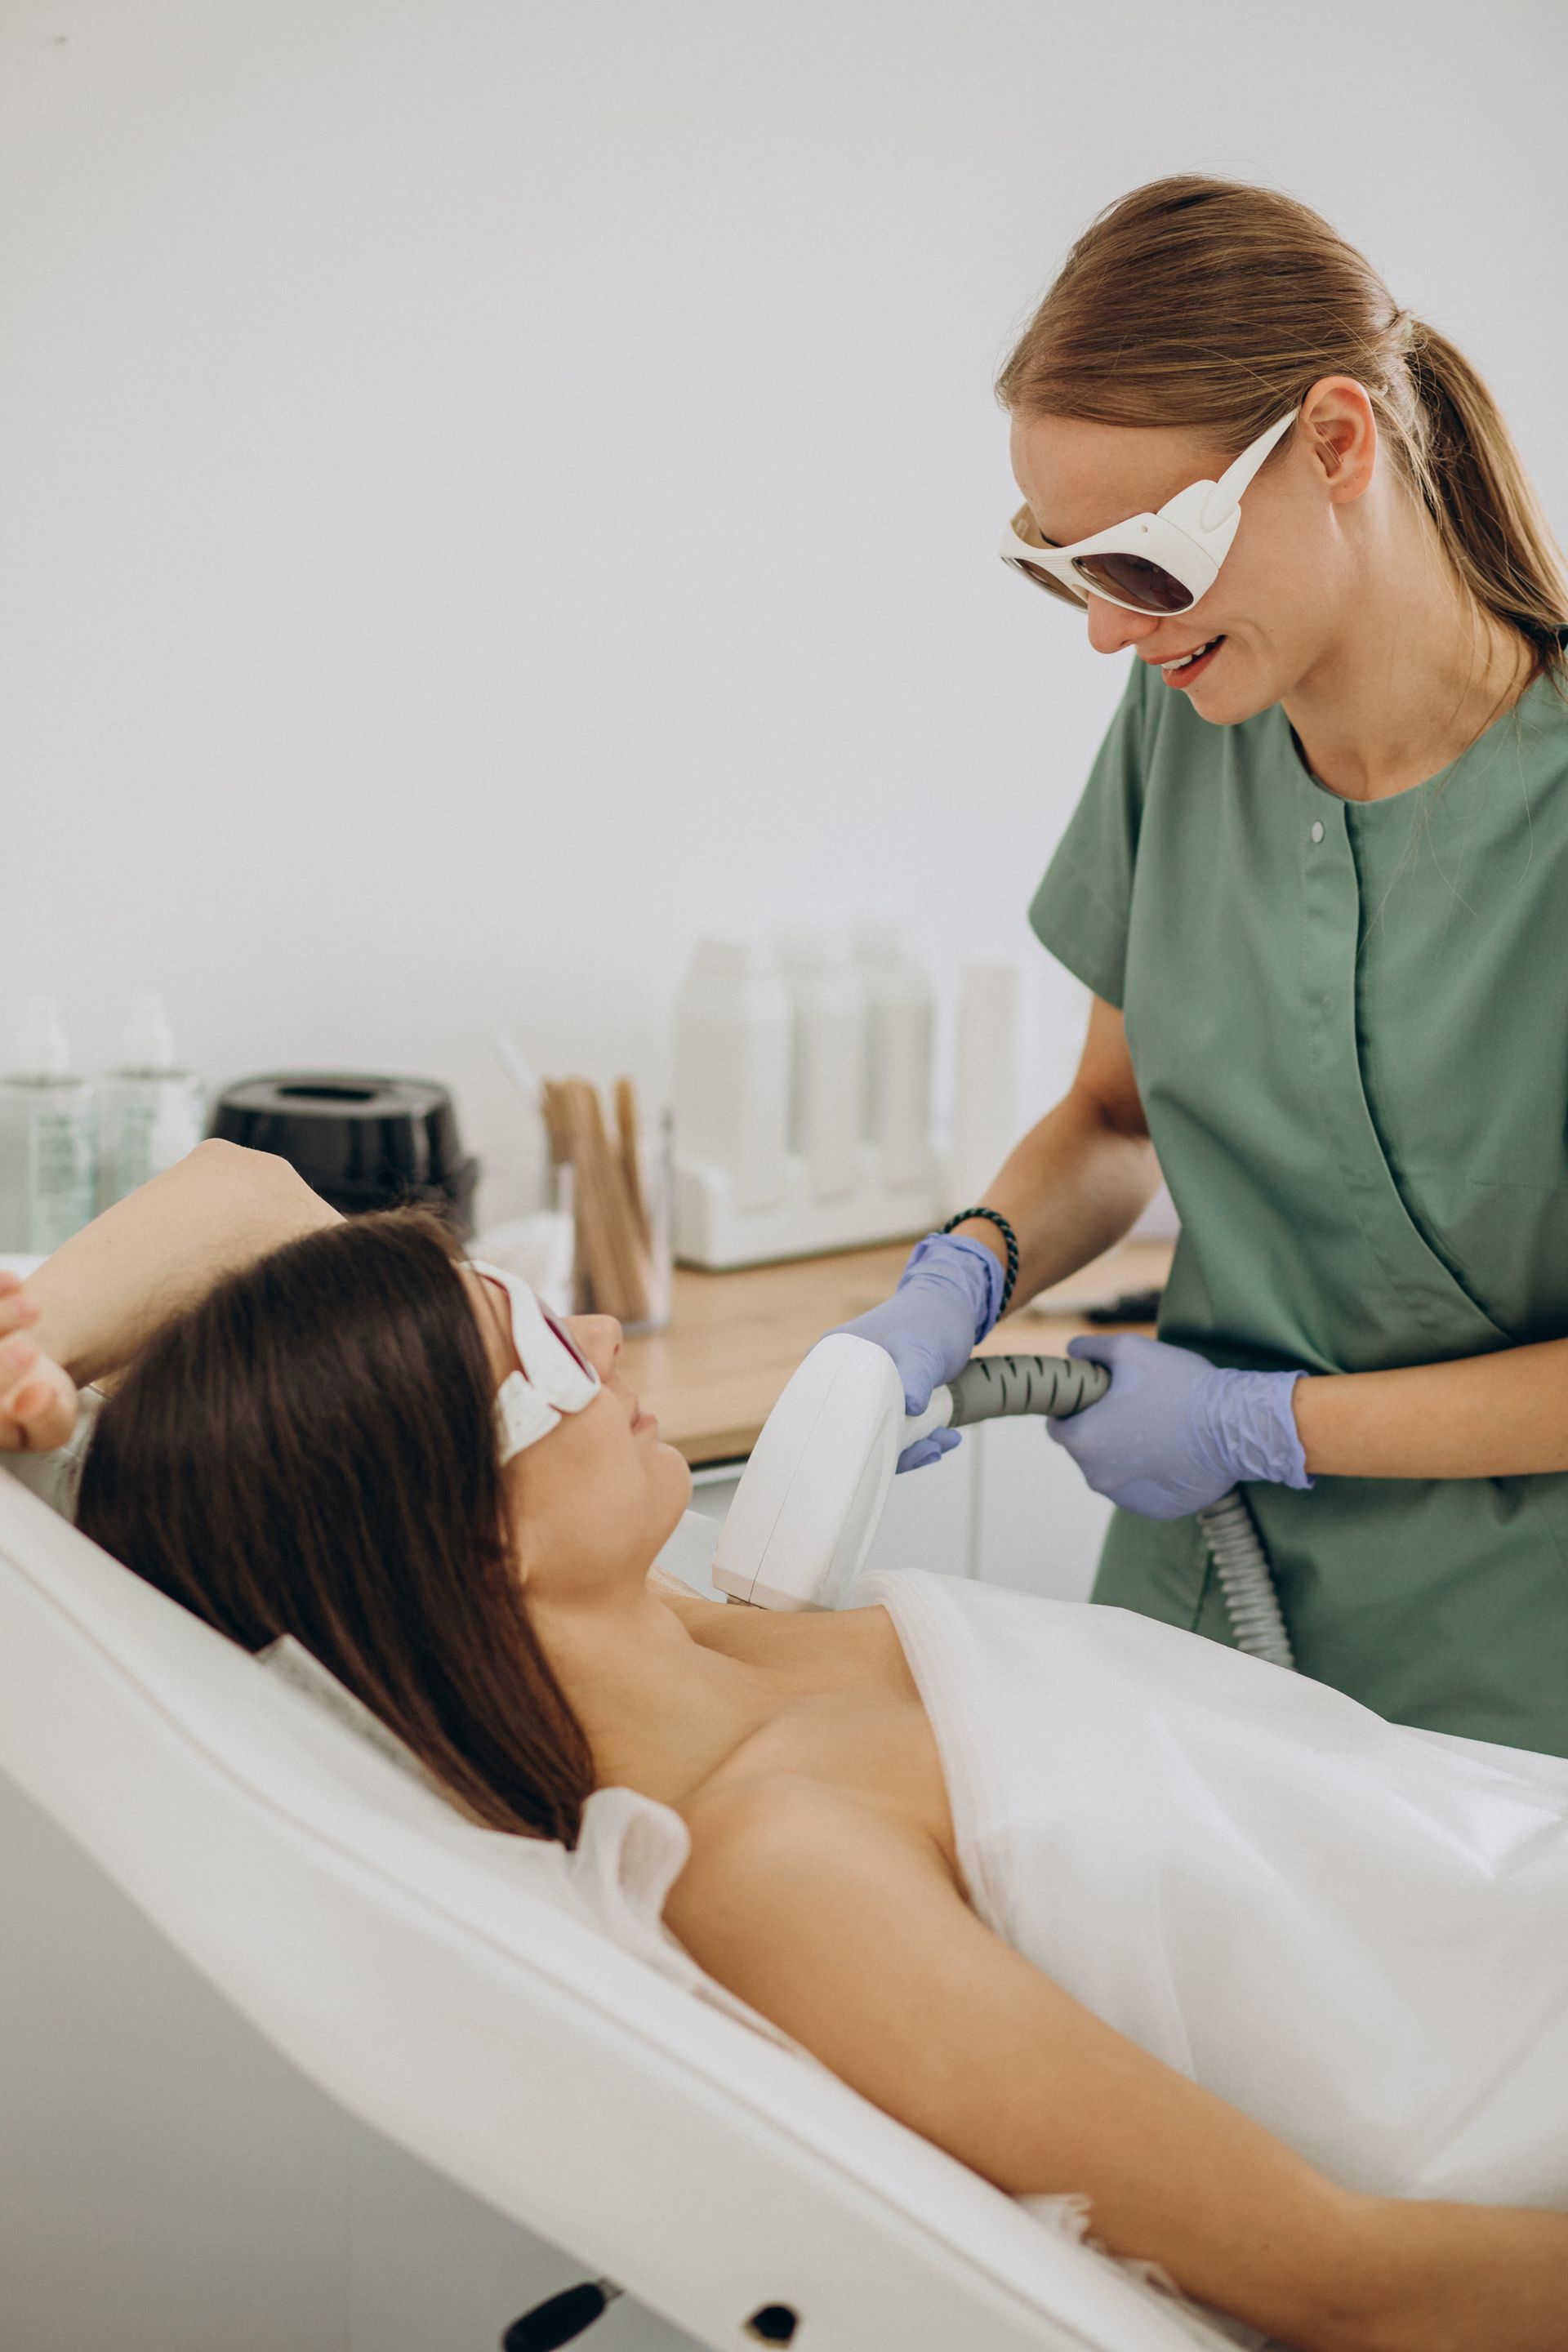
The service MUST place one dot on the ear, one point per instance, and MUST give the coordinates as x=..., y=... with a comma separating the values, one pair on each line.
x=1338, y=425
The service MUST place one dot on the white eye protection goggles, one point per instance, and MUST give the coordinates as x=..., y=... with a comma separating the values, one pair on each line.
x=551, y=1378
x=1155, y=562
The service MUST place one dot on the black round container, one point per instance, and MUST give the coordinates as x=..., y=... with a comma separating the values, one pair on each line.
x=360, y=1142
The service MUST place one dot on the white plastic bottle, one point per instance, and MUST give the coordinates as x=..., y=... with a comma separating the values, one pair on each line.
x=829, y=1064
x=46, y=1141
x=150, y=1114
x=732, y=1023
x=899, y=1023
x=985, y=1114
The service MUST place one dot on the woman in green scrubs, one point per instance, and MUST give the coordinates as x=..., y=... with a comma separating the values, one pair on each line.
x=1318, y=884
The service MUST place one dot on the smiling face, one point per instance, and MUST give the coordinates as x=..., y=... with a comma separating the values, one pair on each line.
x=597, y=1498
x=1285, y=591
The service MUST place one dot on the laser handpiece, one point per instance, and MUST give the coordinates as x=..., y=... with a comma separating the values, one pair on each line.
x=811, y=1495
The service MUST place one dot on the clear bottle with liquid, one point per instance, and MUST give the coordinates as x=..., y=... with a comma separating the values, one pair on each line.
x=150, y=1114
x=47, y=1141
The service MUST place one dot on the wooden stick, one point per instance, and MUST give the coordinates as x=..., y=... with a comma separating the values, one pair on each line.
x=627, y=1121
x=598, y=1256
x=633, y=1273
x=613, y=1253
x=555, y=1120
x=617, y=1268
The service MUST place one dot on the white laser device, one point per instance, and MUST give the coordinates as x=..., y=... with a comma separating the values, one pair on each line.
x=810, y=1498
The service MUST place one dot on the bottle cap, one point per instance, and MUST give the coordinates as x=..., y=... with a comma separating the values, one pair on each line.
x=149, y=1043
x=43, y=1040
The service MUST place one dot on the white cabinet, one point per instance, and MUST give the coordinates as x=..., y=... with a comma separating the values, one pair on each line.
x=929, y=1516
x=1036, y=1524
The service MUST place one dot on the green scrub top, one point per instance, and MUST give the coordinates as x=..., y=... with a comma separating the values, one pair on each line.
x=1349, y=1026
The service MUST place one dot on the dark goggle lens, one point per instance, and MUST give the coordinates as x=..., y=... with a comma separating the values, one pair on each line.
x=1026, y=528
x=1046, y=580
x=1145, y=586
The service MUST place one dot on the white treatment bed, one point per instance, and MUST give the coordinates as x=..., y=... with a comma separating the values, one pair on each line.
x=444, y=1985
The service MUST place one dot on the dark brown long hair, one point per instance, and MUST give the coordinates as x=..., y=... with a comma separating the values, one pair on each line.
x=1211, y=302
x=311, y=1450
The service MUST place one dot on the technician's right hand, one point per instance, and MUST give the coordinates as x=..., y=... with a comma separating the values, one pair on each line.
x=945, y=1303
x=37, y=1398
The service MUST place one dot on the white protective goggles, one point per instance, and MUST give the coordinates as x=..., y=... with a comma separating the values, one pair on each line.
x=1155, y=562
x=551, y=1378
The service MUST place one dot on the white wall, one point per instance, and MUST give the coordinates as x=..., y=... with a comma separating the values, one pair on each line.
x=489, y=488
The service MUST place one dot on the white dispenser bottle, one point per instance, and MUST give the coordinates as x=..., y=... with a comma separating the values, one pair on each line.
x=46, y=1141
x=899, y=1023
x=731, y=1067
x=828, y=1079
x=985, y=1113
x=150, y=1113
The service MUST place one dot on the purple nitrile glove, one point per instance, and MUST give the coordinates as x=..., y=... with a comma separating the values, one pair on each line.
x=945, y=1303
x=1174, y=1433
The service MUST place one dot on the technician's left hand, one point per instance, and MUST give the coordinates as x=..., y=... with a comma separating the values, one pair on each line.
x=1174, y=1433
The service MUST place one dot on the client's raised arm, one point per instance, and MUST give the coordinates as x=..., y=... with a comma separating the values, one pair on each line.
x=90, y=1306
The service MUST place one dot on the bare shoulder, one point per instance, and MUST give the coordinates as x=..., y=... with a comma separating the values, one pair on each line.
x=779, y=1846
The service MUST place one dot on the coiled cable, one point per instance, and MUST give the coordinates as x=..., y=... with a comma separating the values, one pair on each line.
x=999, y=1387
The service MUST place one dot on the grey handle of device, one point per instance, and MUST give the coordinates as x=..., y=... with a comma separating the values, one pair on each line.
x=994, y=1387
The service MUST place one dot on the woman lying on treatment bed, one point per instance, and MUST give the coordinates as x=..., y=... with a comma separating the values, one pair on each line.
x=1093, y=1904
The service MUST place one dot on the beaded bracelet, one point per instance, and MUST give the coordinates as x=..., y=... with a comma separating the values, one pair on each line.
x=1008, y=1236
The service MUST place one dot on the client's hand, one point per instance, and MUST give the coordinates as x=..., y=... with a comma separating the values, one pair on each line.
x=1174, y=1433
x=38, y=1399
x=946, y=1300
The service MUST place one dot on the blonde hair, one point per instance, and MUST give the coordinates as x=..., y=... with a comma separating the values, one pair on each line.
x=1208, y=303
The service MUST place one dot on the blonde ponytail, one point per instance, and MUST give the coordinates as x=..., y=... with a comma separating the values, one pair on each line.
x=1209, y=303
x=1470, y=477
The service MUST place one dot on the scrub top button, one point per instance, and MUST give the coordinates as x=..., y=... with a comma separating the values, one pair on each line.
x=1318, y=830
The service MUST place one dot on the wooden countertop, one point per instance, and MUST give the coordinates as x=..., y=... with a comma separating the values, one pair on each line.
x=733, y=1339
